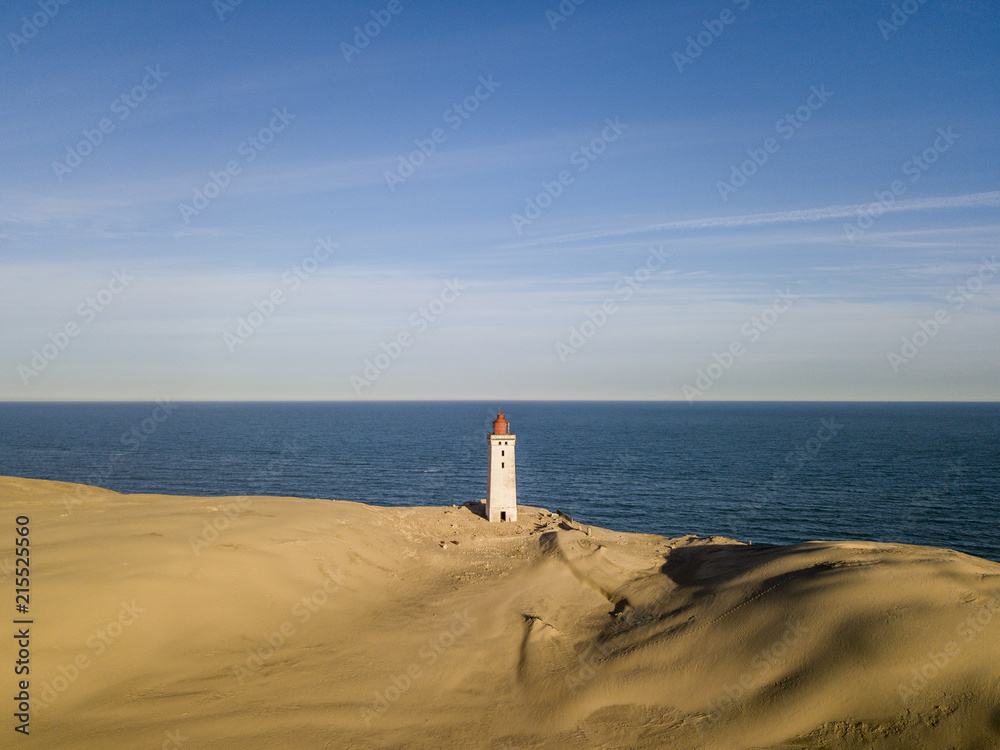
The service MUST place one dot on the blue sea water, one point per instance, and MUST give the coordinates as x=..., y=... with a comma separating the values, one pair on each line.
x=921, y=473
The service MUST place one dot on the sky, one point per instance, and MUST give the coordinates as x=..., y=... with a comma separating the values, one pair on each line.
x=716, y=200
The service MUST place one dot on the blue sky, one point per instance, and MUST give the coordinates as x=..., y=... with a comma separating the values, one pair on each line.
x=684, y=200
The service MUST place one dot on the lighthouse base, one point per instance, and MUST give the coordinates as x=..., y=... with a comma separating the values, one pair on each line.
x=497, y=514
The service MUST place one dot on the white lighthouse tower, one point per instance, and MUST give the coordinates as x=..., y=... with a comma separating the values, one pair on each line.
x=501, y=486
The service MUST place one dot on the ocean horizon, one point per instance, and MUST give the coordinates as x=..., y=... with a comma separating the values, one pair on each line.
x=771, y=472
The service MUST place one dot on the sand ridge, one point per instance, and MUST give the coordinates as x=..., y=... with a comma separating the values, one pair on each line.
x=281, y=622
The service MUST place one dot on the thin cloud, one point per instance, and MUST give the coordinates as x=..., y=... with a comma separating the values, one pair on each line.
x=971, y=200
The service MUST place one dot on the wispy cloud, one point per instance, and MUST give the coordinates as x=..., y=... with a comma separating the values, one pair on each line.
x=806, y=215
x=129, y=200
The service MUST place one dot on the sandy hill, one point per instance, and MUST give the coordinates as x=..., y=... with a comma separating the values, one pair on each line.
x=261, y=622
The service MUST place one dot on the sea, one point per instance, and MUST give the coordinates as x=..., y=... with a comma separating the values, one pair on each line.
x=918, y=473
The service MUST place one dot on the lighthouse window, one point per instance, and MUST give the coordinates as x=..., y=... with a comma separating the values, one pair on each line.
x=501, y=464
x=501, y=453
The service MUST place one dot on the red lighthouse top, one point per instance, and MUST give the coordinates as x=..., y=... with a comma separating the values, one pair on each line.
x=500, y=424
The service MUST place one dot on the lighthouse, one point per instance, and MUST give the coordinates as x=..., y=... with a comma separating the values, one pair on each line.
x=501, y=486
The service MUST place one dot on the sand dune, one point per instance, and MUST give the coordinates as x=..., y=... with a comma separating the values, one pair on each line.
x=165, y=621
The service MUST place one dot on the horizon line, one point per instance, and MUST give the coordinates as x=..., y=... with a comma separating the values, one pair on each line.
x=512, y=400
